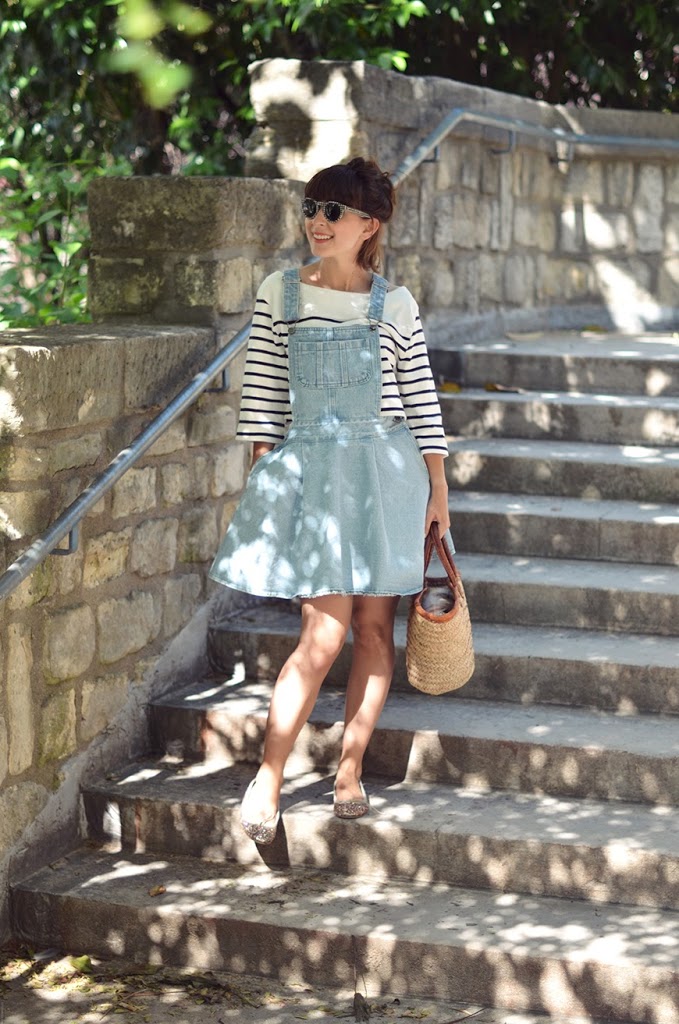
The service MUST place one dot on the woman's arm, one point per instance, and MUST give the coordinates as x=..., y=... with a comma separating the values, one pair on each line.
x=437, y=509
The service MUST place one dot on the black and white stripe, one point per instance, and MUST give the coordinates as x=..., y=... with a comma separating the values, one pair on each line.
x=408, y=387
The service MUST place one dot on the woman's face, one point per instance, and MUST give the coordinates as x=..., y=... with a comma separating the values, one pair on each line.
x=340, y=239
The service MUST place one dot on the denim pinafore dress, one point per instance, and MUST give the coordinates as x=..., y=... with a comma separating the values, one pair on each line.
x=339, y=506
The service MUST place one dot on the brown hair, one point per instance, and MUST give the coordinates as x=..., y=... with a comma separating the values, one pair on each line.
x=362, y=184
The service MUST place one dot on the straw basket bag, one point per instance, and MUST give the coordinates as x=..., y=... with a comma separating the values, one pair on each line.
x=439, y=648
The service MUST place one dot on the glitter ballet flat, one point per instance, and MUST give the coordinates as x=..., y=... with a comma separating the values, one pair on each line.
x=262, y=832
x=351, y=808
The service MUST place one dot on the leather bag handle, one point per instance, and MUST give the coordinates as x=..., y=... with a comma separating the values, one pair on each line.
x=435, y=542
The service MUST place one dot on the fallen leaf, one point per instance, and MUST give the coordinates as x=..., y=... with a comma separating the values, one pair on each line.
x=82, y=964
x=157, y=890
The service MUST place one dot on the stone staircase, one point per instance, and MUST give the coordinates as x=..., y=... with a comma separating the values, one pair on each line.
x=523, y=846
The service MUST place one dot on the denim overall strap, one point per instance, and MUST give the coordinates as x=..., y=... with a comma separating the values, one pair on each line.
x=291, y=296
x=378, y=292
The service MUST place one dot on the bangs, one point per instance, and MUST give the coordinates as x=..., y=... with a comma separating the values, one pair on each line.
x=339, y=183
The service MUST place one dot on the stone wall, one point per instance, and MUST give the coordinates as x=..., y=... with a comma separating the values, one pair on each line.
x=81, y=639
x=489, y=240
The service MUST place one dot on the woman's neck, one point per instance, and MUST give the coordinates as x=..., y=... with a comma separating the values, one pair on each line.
x=339, y=277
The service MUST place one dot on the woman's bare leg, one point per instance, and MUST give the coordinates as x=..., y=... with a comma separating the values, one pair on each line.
x=325, y=623
x=372, y=667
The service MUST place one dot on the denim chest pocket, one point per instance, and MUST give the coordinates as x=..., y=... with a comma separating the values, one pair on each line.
x=323, y=364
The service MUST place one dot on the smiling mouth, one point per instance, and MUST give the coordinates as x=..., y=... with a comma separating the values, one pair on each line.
x=322, y=238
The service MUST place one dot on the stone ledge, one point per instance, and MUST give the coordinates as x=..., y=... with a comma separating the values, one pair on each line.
x=78, y=374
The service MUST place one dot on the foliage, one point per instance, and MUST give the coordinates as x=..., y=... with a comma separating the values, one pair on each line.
x=148, y=86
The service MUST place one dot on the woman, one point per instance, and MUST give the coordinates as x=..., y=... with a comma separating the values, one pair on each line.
x=347, y=473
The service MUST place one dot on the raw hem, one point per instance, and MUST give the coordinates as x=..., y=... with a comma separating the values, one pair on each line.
x=318, y=593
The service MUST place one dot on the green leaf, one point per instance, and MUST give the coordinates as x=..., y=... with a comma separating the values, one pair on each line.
x=140, y=20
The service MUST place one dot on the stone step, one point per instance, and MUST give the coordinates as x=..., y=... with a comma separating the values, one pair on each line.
x=567, y=469
x=562, y=592
x=399, y=937
x=466, y=743
x=578, y=849
x=542, y=525
x=616, y=364
x=563, y=416
x=612, y=672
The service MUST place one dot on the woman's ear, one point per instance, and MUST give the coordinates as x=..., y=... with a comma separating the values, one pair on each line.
x=371, y=227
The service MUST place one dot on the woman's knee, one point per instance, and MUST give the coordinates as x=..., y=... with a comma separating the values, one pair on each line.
x=323, y=636
x=373, y=634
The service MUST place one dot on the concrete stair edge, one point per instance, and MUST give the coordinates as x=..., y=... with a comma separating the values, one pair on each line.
x=577, y=849
x=521, y=953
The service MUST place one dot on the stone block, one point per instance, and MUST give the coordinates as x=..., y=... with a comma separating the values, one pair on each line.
x=106, y=557
x=101, y=702
x=135, y=492
x=19, y=806
x=27, y=464
x=223, y=285
x=4, y=753
x=467, y=283
x=54, y=376
x=571, y=228
x=448, y=166
x=519, y=279
x=605, y=230
x=404, y=229
x=672, y=184
x=619, y=184
x=24, y=513
x=159, y=364
x=563, y=279
x=191, y=214
x=668, y=282
x=535, y=227
x=154, y=547
x=34, y=588
x=438, y=283
x=490, y=270
x=20, y=718
x=198, y=537
x=182, y=599
x=171, y=441
x=226, y=516
x=230, y=470
x=57, y=731
x=526, y=226
x=125, y=286
x=534, y=176
x=181, y=482
x=67, y=572
x=70, y=642
x=444, y=208
x=407, y=270
x=585, y=180
x=625, y=285
x=648, y=208
x=470, y=165
x=209, y=423
x=672, y=233
x=76, y=452
x=128, y=624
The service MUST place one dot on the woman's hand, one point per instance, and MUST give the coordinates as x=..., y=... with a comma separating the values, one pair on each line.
x=260, y=448
x=437, y=507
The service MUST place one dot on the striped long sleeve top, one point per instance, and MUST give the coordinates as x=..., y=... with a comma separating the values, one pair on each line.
x=407, y=383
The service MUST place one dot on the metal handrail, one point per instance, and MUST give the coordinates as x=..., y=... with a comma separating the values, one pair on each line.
x=67, y=523
x=514, y=126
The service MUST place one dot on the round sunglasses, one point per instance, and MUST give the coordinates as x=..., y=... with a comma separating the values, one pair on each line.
x=332, y=211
